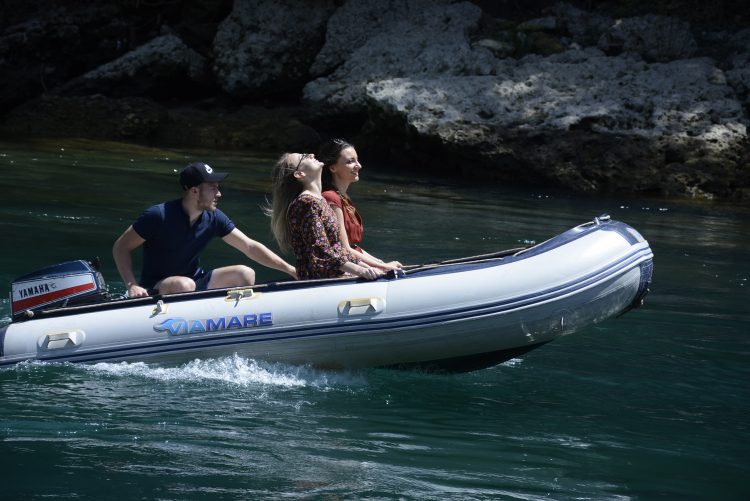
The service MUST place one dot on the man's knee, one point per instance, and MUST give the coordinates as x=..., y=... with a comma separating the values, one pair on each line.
x=232, y=276
x=247, y=274
x=172, y=285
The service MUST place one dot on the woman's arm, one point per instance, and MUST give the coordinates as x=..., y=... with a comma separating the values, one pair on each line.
x=365, y=272
x=390, y=265
x=360, y=254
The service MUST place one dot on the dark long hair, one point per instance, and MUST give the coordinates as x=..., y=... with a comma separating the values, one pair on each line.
x=329, y=154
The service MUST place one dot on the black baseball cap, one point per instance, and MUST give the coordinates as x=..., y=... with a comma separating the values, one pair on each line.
x=197, y=173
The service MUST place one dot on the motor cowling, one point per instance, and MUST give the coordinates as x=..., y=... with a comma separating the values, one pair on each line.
x=64, y=284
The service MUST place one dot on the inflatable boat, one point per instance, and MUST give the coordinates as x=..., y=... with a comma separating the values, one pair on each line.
x=454, y=316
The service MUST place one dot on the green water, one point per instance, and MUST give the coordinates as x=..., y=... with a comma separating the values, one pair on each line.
x=653, y=405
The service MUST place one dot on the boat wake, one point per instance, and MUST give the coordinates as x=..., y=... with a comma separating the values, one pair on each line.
x=236, y=370
x=5, y=317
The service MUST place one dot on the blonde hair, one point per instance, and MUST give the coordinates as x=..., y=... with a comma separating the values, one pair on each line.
x=284, y=190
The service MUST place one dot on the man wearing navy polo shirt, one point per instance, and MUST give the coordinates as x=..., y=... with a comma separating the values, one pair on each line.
x=174, y=234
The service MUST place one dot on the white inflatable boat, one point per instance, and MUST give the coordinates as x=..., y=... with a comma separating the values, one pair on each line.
x=455, y=315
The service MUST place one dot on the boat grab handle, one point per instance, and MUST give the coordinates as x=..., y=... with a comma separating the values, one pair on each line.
x=160, y=308
x=61, y=340
x=361, y=306
x=238, y=295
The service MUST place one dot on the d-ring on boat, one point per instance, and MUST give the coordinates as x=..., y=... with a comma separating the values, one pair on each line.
x=453, y=316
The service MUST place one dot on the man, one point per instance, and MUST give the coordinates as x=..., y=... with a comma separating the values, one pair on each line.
x=174, y=234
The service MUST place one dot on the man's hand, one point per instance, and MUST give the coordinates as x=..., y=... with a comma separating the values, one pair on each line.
x=135, y=290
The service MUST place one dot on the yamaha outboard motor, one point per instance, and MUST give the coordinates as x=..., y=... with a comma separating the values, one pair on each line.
x=65, y=284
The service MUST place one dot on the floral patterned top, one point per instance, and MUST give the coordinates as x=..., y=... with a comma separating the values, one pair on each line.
x=315, y=239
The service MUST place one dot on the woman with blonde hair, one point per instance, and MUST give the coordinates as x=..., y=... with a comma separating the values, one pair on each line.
x=340, y=169
x=303, y=223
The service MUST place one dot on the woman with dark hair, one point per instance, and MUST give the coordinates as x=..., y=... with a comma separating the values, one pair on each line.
x=340, y=169
x=303, y=223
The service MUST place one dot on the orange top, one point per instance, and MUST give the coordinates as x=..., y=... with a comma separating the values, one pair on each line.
x=352, y=220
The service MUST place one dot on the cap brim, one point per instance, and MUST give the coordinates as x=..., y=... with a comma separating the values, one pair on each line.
x=215, y=177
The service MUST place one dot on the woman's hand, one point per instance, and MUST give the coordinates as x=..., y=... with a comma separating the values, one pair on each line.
x=391, y=265
x=292, y=271
x=369, y=273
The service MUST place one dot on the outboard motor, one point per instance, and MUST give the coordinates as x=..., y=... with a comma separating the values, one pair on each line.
x=65, y=284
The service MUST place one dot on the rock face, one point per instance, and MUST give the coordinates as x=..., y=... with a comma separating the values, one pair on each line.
x=633, y=111
x=266, y=46
x=163, y=67
x=581, y=120
x=144, y=121
x=655, y=38
x=372, y=40
x=588, y=101
x=738, y=67
x=48, y=49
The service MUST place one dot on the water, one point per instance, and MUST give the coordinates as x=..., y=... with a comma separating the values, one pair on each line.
x=653, y=405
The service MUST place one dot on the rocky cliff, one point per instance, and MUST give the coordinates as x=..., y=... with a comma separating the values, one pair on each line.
x=591, y=96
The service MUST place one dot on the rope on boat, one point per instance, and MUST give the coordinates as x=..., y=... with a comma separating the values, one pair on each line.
x=480, y=258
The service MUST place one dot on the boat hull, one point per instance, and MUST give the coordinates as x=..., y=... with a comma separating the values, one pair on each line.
x=453, y=316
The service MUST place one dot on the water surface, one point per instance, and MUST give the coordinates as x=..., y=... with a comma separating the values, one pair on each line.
x=651, y=405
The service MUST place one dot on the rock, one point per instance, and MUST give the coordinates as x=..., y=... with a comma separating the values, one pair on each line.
x=548, y=23
x=655, y=38
x=584, y=28
x=96, y=117
x=142, y=120
x=164, y=67
x=265, y=47
x=499, y=48
x=250, y=127
x=577, y=99
x=537, y=42
x=433, y=39
x=577, y=119
x=738, y=71
x=56, y=44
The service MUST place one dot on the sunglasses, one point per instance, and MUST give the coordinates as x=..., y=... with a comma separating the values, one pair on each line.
x=302, y=159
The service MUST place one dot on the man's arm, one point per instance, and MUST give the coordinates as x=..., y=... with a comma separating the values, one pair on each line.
x=122, y=253
x=258, y=252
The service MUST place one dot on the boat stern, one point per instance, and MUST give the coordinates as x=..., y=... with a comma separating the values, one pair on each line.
x=2, y=340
